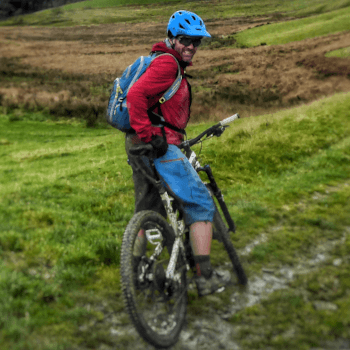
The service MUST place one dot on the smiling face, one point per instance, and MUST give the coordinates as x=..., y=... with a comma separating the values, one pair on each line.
x=186, y=52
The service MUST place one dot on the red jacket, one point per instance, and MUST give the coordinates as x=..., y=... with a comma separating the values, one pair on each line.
x=159, y=76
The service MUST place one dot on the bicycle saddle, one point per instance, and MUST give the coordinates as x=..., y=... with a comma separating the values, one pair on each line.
x=141, y=150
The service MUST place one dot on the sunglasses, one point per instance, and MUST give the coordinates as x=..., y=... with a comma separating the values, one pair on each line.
x=187, y=41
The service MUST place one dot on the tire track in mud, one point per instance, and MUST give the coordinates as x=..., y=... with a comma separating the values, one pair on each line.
x=214, y=331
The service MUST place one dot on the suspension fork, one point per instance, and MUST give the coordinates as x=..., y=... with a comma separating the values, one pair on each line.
x=219, y=196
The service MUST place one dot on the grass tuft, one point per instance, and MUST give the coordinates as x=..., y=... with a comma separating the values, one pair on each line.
x=341, y=53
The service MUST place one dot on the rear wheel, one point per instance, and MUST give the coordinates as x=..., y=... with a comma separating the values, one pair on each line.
x=155, y=304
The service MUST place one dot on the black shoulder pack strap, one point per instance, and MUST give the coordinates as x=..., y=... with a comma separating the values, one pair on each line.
x=157, y=119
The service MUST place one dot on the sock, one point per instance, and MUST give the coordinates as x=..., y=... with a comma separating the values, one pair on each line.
x=203, y=265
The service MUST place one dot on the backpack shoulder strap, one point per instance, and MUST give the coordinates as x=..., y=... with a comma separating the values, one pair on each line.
x=157, y=119
x=168, y=94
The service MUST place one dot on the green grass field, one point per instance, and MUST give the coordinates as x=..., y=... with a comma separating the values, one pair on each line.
x=342, y=53
x=111, y=3
x=107, y=11
x=67, y=195
x=297, y=30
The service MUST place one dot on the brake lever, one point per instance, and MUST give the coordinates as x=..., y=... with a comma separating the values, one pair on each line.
x=219, y=131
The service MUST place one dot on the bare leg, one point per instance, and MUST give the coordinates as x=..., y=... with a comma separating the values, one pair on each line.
x=201, y=235
x=140, y=244
x=207, y=280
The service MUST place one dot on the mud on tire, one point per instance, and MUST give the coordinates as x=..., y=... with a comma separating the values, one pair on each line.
x=222, y=234
x=156, y=306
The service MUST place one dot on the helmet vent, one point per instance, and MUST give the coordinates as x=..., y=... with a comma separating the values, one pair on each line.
x=194, y=18
x=188, y=21
x=181, y=26
x=201, y=22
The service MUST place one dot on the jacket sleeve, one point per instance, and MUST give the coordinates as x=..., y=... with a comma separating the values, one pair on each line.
x=158, y=77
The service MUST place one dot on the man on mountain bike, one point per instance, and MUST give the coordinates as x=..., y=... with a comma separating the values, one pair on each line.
x=185, y=31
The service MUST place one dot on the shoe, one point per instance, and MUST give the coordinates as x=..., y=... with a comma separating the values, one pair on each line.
x=215, y=283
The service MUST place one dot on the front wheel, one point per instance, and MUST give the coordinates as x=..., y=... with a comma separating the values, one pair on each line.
x=222, y=234
x=156, y=305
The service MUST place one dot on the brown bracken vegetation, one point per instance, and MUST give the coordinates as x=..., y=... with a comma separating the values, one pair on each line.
x=68, y=71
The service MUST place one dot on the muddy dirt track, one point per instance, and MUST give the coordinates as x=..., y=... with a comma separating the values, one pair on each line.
x=69, y=70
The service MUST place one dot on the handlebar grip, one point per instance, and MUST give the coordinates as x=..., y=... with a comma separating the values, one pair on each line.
x=229, y=119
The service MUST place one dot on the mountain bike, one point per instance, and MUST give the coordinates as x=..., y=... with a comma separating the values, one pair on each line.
x=157, y=263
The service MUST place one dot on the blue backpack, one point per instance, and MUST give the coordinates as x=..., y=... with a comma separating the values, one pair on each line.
x=117, y=111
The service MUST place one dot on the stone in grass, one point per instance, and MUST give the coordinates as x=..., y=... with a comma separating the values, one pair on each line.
x=337, y=262
x=324, y=305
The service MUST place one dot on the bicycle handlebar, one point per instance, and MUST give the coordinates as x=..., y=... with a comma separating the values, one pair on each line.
x=217, y=129
x=209, y=131
x=229, y=119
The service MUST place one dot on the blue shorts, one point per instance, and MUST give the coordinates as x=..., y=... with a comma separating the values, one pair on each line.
x=184, y=183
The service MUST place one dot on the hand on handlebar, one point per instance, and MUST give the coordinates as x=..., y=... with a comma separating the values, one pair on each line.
x=218, y=132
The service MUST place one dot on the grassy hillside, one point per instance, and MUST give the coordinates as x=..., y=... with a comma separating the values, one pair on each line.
x=297, y=30
x=111, y=3
x=342, y=53
x=108, y=11
x=67, y=195
x=67, y=192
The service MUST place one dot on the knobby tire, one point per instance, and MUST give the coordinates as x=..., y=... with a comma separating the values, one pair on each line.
x=146, y=300
x=223, y=235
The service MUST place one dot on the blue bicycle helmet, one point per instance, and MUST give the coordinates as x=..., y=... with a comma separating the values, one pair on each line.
x=186, y=23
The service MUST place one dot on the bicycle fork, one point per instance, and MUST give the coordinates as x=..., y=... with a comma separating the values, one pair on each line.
x=218, y=195
x=178, y=227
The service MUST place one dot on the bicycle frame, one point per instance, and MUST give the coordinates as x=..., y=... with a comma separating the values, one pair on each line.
x=179, y=226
